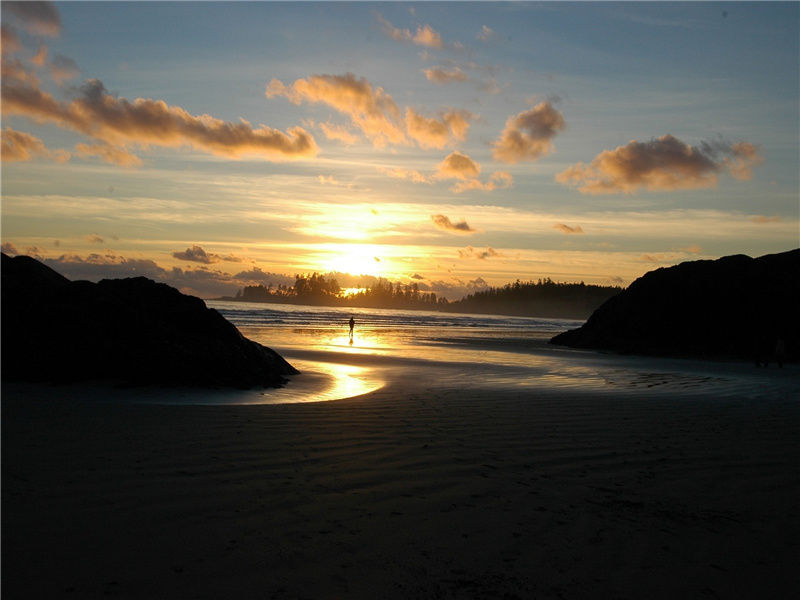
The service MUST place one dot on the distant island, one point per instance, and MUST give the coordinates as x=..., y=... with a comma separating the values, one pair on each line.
x=544, y=298
x=735, y=307
x=134, y=331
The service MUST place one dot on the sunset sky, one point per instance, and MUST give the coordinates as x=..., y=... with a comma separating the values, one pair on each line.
x=213, y=145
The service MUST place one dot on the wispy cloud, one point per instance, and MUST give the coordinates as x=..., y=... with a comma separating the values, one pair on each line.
x=662, y=164
x=528, y=136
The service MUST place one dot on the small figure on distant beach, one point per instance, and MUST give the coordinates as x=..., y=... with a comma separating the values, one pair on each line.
x=352, y=324
x=780, y=352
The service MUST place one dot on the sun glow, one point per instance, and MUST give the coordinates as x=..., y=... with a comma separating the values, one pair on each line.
x=364, y=259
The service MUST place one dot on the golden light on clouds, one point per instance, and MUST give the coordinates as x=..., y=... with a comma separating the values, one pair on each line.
x=665, y=164
x=393, y=139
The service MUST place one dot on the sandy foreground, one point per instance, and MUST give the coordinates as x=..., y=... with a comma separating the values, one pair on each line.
x=424, y=488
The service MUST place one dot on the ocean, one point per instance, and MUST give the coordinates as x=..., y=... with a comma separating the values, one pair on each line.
x=391, y=347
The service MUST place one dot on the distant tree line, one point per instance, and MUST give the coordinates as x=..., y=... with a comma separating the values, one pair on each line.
x=544, y=298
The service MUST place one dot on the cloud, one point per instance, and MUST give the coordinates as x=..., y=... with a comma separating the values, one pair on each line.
x=444, y=223
x=471, y=253
x=486, y=34
x=424, y=36
x=110, y=154
x=567, y=229
x=338, y=133
x=259, y=277
x=442, y=76
x=104, y=266
x=144, y=122
x=9, y=248
x=62, y=67
x=762, y=219
x=18, y=146
x=194, y=254
x=661, y=164
x=458, y=166
x=410, y=174
x=9, y=41
x=40, y=18
x=498, y=180
x=198, y=254
x=95, y=239
x=371, y=110
x=437, y=133
x=528, y=136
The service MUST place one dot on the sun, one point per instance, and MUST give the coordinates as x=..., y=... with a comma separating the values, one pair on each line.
x=357, y=259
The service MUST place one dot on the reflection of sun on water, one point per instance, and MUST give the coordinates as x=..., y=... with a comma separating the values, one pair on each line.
x=348, y=380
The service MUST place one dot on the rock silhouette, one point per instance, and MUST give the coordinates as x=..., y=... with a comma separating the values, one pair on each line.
x=733, y=307
x=132, y=330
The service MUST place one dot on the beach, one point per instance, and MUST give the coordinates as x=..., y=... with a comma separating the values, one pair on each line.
x=669, y=480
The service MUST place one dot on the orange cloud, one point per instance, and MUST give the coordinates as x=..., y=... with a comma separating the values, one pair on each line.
x=458, y=166
x=424, y=36
x=371, y=110
x=145, y=122
x=18, y=146
x=437, y=133
x=744, y=157
x=442, y=76
x=528, y=135
x=338, y=133
x=444, y=223
x=761, y=219
x=410, y=174
x=661, y=165
x=498, y=180
x=567, y=229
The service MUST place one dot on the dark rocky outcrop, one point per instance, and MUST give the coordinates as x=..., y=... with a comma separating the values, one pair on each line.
x=132, y=330
x=733, y=307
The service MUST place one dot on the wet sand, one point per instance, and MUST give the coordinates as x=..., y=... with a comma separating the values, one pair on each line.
x=664, y=484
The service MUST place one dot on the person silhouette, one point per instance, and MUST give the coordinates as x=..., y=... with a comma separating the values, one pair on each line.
x=352, y=324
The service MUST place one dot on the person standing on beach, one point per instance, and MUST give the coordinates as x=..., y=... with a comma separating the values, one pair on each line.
x=352, y=324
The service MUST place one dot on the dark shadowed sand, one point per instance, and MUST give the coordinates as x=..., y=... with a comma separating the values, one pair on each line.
x=655, y=479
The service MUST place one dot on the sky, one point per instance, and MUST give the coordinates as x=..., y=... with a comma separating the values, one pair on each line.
x=456, y=145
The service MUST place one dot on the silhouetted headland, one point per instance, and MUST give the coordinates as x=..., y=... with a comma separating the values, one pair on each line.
x=132, y=330
x=735, y=307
